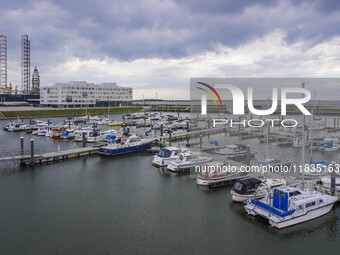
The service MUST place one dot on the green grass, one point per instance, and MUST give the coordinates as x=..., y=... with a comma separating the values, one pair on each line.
x=174, y=108
x=69, y=112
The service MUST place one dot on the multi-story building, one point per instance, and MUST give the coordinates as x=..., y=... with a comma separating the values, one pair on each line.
x=83, y=94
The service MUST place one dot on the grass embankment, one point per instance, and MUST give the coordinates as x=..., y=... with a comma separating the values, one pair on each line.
x=69, y=112
x=170, y=108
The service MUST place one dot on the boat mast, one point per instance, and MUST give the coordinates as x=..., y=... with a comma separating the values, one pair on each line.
x=303, y=145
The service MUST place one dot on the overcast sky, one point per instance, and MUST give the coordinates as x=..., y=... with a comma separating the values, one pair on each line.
x=158, y=45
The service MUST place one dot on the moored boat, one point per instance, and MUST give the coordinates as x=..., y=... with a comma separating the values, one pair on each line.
x=288, y=206
x=186, y=161
x=215, y=174
x=247, y=189
x=166, y=155
x=127, y=145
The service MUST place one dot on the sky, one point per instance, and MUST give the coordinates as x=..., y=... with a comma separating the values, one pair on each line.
x=156, y=46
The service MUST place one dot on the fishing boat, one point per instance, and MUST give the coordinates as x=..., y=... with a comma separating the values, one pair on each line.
x=233, y=150
x=216, y=173
x=247, y=189
x=127, y=145
x=186, y=161
x=287, y=206
x=330, y=146
x=166, y=155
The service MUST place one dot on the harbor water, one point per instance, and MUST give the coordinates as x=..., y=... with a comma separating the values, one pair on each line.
x=124, y=205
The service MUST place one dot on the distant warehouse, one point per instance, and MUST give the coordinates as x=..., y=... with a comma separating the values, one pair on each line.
x=83, y=94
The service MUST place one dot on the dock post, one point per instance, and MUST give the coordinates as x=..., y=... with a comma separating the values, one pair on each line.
x=200, y=142
x=30, y=121
x=170, y=137
x=128, y=130
x=334, y=123
x=83, y=140
x=337, y=120
x=188, y=126
x=162, y=129
x=48, y=124
x=69, y=124
x=21, y=148
x=248, y=155
x=22, y=145
x=333, y=179
x=32, y=151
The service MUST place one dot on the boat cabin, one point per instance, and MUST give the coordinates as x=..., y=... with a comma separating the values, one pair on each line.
x=169, y=152
x=246, y=186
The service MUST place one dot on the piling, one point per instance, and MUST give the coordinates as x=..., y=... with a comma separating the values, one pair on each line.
x=48, y=124
x=32, y=151
x=162, y=129
x=248, y=155
x=30, y=121
x=22, y=145
x=334, y=123
x=333, y=181
x=170, y=137
x=83, y=140
x=69, y=124
x=188, y=126
x=200, y=142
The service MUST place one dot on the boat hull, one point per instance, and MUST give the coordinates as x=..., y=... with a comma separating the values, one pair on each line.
x=123, y=150
x=274, y=222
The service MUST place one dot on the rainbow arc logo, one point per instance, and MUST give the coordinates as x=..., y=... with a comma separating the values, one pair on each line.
x=209, y=93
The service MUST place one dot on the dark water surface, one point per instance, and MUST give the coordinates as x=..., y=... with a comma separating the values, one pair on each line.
x=99, y=205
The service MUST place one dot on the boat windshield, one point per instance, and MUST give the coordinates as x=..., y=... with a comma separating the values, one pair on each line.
x=164, y=153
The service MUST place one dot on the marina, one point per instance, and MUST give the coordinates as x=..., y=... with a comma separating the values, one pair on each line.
x=83, y=156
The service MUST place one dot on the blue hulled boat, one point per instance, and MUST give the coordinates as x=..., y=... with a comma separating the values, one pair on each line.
x=127, y=145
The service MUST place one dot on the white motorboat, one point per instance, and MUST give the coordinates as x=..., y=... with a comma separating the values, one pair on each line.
x=287, y=206
x=250, y=188
x=166, y=155
x=233, y=150
x=68, y=134
x=215, y=173
x=330, y=146
x=104, y=121
x=19, y=126
x=78, y=134
x=186, y=161
x=100, y=136
x=326, y=182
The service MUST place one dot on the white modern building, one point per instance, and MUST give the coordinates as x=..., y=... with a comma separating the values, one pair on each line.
x=83, y=94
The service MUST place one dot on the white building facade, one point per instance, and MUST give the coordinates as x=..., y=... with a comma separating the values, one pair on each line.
x=83, y=94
